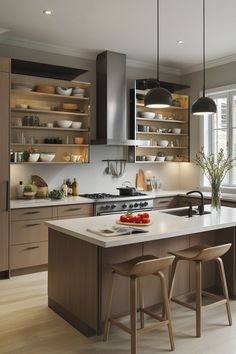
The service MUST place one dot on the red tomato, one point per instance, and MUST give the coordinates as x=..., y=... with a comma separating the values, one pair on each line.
x=146, y=221
x=146, y=215
x=123, y=218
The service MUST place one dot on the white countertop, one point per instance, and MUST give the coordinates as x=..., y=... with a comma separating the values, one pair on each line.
x=163, y=226
x=18, y=204
x=34, y=203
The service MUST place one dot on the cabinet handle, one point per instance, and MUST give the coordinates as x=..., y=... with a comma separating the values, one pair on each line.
x=32, y=212
x=32, y=247
x=30, y=225
x=7, y=196
x=73, y=209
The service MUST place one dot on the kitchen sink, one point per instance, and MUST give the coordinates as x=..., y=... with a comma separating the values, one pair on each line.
x=184, y=212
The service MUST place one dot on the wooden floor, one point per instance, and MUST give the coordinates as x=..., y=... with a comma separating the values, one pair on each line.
x=28, y=326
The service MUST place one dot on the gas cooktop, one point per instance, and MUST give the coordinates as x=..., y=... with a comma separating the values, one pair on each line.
x=108, y=195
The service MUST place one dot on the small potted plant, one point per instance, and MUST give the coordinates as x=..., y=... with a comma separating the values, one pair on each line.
x=29, y=191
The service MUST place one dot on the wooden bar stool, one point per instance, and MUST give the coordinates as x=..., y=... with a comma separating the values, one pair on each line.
x=134, y=269
x=199, y=254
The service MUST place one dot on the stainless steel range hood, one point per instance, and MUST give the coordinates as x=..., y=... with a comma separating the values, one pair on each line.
x=111, y=100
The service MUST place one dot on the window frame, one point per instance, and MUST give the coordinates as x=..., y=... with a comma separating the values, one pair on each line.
x=206, y=137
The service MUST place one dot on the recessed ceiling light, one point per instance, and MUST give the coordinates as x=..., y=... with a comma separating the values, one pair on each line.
x=180, y=41
x=47, y=12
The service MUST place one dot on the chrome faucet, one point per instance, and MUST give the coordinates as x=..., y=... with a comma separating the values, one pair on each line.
x=200, y=207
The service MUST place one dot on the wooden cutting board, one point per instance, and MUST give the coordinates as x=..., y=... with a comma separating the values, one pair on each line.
x=140, y=180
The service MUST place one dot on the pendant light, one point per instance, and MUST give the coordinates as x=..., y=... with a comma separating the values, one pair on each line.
x=204, y=105
x=158, y=97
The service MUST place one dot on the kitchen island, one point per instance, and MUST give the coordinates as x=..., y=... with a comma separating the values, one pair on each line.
x=79, y=261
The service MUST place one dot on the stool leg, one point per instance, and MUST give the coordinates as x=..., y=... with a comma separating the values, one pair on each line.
x=198, y=297
x=108, y=314
x=133, y=313
x=225, y=288
x=141, y=302
x=172, y=277
x=167, y=308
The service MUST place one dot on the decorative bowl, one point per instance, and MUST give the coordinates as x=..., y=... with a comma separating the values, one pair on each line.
x=160, y=158
x=64, y=123
x=76, y=125
x=45, y=89
x=47, y=156
x=170, y=158
x=65, y=91
x=148, y=115
x=78, y=91
x=176, y=130
x=150, y=157
x=33, y=157
x=79, y=140
x=22, y=87
x=163, y=143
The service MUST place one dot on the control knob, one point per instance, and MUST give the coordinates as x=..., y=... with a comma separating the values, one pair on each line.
x=142, y=204
x=107, y=207
x=124, y=206
x=131, y=206
x=135, y=205
x=113, y=206
x=145, y=203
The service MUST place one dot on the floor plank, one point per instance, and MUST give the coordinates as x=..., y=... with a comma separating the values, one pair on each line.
x=28, y=326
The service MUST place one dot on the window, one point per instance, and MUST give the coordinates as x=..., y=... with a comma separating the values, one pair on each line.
x=220, y=130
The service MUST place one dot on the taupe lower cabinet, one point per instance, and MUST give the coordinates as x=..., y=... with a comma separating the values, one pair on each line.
x=29, y=235
x=4, y=158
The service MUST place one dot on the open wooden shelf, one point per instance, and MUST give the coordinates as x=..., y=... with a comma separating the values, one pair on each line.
x=47, y=111
x=165, y=108
x=35, y=95
x=160, y=120
x=23, y=127
x=54, y=145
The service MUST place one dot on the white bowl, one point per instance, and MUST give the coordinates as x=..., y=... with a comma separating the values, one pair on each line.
x=78, y=91
x=33, y=157
x=76, y=125
x=176, y=130
x=65, y=91
x=64, y=123
x=163, y=143
x=47, y=156
x=160, y=158
x=22, y=105
x=148, y=115
x=170, y=158
x=150, y=157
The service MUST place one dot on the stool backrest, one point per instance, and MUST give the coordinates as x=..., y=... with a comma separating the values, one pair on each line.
x=151, y=266
x=210, y=253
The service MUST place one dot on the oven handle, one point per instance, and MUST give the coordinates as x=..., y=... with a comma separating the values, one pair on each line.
x=122, y=212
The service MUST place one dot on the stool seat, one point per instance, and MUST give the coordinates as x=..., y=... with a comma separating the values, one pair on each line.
x=143, y=265
x=202, y=252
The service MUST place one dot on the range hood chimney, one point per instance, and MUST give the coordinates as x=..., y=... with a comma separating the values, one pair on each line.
x=111, y=100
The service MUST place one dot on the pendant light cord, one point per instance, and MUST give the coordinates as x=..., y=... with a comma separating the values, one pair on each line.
x=204, y=47
x=158, y=44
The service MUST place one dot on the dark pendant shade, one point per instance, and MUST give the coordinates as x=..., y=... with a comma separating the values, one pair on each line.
x=204, y=105
x=158, y=97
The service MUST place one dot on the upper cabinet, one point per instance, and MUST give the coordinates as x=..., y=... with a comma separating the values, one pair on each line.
x=162, y=134
x=50, y=120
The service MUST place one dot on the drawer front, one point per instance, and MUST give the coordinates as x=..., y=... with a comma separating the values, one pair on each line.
x=31, y=214
x=28, y=255
x=165, y=203
x=75, y=210
x=28, y=231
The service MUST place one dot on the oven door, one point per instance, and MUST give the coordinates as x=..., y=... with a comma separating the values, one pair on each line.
x=121, y=212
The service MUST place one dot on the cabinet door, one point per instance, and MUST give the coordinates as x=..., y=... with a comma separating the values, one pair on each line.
x=4, y=158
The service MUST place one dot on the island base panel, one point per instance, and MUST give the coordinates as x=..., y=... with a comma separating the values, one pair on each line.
x=73, y=280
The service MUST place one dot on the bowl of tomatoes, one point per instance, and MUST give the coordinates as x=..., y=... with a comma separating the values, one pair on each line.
x=141, y=219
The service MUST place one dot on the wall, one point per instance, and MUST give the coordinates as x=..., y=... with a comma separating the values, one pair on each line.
x=91, y=177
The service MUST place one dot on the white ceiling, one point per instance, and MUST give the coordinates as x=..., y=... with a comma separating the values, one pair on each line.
x=87, y=27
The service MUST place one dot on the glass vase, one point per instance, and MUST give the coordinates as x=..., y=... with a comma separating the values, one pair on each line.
x=215, y=198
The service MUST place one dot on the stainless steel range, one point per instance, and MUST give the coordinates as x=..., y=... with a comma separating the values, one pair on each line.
x=106, y=204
